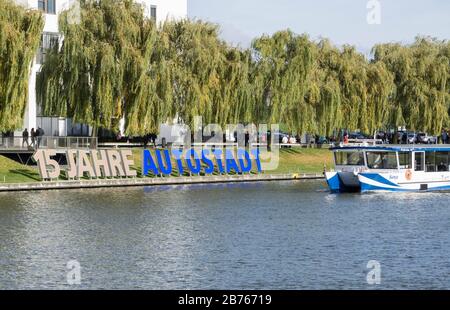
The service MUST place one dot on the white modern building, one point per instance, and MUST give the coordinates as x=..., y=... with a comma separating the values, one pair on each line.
x=160, y=10
x=163, y=10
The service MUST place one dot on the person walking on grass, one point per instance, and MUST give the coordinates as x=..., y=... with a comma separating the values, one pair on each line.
x=25, y=138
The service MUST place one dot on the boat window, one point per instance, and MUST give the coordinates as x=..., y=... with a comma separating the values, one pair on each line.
x=405, y=160
x=382, y=160
x=349, y=158
x=430, y=162
x=441, y=161
x=436, y=161
x=418, y=159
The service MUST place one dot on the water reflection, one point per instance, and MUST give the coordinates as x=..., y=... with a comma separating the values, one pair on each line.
x=254, y=235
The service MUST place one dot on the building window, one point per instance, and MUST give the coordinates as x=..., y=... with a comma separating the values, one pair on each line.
x=41, y=5
x=47, y=6
x=48, y=40
x=153, y=12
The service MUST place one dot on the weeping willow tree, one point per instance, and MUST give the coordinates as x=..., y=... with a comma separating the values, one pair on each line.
x=341, y=88
x=196, y=57
x=283, y=63
x=20, y=32
x=159, y=105
x=351, y=73
x=234, y=101
x=421, y=74
x=324, y=93
x=346, y=91
x=381, y=114
x=102, y=68
x=116, y=63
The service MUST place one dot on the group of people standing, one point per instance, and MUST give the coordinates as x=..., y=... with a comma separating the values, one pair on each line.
x=36, y=137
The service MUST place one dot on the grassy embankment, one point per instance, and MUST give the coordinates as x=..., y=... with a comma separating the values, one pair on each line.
x=14, y=172
x=292, y=160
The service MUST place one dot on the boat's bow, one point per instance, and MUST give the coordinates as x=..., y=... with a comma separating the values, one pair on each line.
x=333, y=181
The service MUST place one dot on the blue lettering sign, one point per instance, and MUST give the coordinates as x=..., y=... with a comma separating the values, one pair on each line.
x=177, y=154
x=210, y=165
x=167, y=167
x=189, y=154
x=218, y=154
x=243, y=154
x=148, y=163
x=231, y=162
x=194, y=161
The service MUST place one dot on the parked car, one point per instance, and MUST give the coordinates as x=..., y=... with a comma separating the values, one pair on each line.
x=407, y=137
x=411, y=137
x=383, y=137
x=357, y=136
x=380, y=135
x=422, y=137
x=278, y=137
x=322, y=140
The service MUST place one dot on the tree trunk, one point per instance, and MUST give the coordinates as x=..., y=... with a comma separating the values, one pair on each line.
x=94, y=131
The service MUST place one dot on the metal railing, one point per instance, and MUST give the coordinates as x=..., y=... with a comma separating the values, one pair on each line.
x=48, y=142
x=215, y=144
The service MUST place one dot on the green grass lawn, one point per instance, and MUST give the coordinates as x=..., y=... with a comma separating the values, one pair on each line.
x=14, y=172
x=292, y=160
x=302, y=160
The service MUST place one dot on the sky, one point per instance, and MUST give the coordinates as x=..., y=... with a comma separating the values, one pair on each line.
x=341, y=21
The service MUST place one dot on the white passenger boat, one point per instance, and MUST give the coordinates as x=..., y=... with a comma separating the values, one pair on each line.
x=390, y=168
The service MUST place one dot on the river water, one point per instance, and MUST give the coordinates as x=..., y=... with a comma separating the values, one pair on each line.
x=280, y=235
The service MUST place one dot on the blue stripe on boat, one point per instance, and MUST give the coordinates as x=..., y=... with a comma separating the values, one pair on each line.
x=378, y=178
x=367, y=187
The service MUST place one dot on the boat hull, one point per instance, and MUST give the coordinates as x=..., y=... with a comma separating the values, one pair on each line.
x=341, y=182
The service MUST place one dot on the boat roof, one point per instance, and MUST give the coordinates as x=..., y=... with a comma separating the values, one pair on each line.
x=395, y=147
